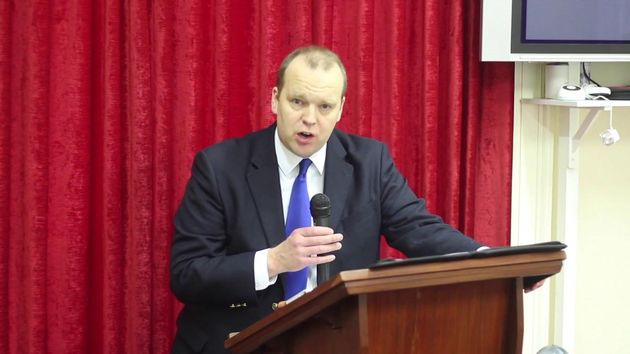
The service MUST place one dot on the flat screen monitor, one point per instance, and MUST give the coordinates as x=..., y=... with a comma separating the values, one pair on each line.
x=556, y=30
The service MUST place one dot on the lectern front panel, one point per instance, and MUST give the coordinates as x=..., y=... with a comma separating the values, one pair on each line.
x=476, y=317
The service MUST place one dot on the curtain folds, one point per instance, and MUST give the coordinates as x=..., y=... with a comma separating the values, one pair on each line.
x=104, y=103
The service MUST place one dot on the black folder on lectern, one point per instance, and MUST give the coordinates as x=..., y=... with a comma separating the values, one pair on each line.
x=550, y=246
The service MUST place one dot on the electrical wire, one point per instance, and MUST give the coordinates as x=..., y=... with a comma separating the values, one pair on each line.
x=587, y=76
x=610, y=126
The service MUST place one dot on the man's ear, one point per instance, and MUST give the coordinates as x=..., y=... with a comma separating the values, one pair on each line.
x=274, y=100
x=343, y=100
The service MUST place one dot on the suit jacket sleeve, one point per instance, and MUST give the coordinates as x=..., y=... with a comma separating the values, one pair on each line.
x=202, y=271
x=406, y=222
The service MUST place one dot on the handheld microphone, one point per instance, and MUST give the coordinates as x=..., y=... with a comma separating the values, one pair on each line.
x=320, y=211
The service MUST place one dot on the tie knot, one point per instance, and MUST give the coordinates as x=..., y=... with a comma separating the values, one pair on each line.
x=304, y=164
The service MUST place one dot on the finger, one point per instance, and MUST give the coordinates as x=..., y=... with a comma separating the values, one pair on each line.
x=311, y=261
x=305, y=254
x=320, y=240
x=314, y=231
x=321, y=249
x=535, y=286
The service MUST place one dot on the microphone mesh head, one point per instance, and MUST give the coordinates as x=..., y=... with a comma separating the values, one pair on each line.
x=320, y=205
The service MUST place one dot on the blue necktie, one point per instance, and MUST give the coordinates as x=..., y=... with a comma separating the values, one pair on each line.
x=298, y=215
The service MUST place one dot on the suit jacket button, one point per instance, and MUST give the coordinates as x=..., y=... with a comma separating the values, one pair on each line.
x=274, y=306
x=232, y=306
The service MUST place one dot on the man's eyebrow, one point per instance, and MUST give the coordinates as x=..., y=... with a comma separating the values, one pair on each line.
x=298, y=95
x=330, y=100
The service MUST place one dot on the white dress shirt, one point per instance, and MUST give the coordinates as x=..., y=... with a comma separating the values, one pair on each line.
x=288, y=166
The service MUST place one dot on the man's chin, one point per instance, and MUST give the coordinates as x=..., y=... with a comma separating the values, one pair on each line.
x=304, y=152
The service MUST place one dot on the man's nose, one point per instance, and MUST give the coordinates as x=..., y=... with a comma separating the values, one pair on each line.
x=309, y=116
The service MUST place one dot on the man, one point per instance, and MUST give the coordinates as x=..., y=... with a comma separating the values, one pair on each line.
x=231, y=252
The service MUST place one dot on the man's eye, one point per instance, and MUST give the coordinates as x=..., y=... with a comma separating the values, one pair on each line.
x=296, y=101
x=325, y=107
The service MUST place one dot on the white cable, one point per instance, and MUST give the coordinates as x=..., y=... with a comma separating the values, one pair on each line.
x=610, y=135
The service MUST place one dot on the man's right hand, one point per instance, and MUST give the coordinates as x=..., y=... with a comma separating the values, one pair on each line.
x=301, y=249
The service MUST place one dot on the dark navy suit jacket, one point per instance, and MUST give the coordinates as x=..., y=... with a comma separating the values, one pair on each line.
x=233, y=207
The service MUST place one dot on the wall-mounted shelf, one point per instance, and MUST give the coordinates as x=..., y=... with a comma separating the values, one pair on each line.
x=594, y=106
x=577, y=104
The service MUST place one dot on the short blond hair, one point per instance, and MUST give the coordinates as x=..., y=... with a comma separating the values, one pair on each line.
x=315, y=57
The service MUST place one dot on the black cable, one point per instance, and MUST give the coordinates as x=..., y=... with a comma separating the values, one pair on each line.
x=587, y=76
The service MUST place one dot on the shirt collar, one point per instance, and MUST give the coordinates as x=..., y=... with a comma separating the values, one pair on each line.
x=287, y=160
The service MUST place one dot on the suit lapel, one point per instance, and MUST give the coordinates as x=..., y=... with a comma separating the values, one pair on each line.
x=337, y=179
x=264, y=185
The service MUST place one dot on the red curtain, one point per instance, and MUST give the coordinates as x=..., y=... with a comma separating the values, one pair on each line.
x=103, y=104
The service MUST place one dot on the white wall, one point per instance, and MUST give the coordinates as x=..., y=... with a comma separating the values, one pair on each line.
x=603, y=268
x=603, y=289
x=596, y=317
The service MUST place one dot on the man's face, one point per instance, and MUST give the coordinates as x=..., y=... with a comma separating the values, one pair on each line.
x=309, y=106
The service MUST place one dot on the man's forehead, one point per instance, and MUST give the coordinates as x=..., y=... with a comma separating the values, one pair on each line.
x=300, y=88
x=302, y=78
x=322, y=66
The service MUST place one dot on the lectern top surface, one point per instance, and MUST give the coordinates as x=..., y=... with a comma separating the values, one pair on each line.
x=551, y=246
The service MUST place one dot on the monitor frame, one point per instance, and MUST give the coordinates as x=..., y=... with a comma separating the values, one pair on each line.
x=496, y=41
x=519, y=45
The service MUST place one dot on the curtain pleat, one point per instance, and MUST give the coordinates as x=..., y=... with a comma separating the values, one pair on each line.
x=104, y=103
x=5, y=173
x=108, y=227
x=27, y=185
x=67, y=158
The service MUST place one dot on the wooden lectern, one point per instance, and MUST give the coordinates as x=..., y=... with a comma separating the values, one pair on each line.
x=470, y=305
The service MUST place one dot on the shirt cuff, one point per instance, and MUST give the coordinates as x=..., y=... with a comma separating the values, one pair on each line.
x=483, y=248
x=261, y=271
